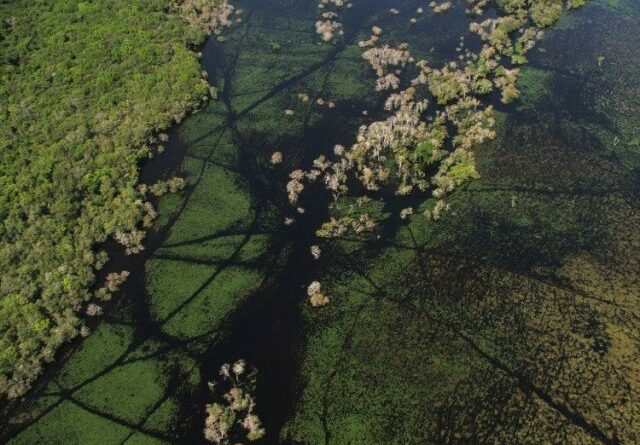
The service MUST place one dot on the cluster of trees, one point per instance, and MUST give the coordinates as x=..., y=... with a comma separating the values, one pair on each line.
x=415, y=149
x=233, y=417
x=84, y=87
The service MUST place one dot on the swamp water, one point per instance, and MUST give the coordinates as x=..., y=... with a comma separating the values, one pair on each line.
x=511, y=320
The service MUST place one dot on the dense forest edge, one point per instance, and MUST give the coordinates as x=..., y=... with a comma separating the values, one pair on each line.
x=87, y=89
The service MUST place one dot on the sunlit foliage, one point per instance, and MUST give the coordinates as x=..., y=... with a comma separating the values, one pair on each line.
x=417, y=147
x=84, y=88
x=233, y=417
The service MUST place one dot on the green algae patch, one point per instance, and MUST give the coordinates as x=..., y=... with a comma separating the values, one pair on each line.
x=534, y=85
x=372, y=362
x=602, y=98
x=196, y=314
x=248, y=249
x=101, y=350
x=171, y=282
x=136, y=392
x=95, y=429
x=167, y=415
x=143, y=439
x=215, y=205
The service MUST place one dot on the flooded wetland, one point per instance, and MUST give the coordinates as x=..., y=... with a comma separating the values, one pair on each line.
x=498, y=303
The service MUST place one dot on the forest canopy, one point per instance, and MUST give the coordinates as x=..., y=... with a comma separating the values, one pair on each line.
x=85, y=87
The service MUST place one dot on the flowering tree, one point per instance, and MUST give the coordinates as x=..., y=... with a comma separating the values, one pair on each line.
x=420, y=148
x=233, y=417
